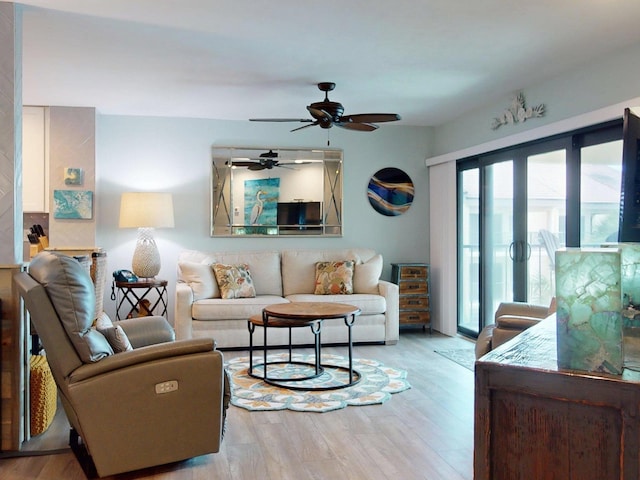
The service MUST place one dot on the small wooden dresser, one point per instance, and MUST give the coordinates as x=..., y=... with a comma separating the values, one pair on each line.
x=413, y=281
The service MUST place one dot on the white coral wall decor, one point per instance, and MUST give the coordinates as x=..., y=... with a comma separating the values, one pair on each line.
x=517, y=112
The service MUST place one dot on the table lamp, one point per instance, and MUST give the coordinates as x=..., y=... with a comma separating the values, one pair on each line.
x=589, y=305
x=146, y=211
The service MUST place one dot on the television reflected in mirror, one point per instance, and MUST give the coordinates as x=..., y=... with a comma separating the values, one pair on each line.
x=276, y=191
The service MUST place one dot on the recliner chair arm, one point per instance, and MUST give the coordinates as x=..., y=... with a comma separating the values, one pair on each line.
x=142, y=355
x=143, y=331
x=522, y=309
x=516, y=322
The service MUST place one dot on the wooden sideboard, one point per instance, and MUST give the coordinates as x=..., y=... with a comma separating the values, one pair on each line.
x=534, y=421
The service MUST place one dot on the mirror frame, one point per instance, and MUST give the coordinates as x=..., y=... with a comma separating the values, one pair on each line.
x=222, y=187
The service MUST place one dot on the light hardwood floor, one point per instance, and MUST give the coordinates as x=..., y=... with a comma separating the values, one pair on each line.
x=423, y=433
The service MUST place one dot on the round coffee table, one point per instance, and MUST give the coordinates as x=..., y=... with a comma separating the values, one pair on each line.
x=296, y=315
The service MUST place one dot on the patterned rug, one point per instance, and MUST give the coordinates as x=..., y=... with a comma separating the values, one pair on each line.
x=377, y=384
x=462, y=356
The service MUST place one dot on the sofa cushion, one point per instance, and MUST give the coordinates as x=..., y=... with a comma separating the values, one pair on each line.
x=299, y=266
x=264, y=267
x=368, y=304
x=72, y=293
x=200, y=278
x=367, y=275
x=234, y=281
x=333, y=278
x=232, y=309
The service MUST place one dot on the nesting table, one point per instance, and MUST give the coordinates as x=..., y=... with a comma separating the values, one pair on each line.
x=297, y=315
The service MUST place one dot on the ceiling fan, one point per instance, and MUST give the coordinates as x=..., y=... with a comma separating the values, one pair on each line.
x=266, y=160
x=326, y=114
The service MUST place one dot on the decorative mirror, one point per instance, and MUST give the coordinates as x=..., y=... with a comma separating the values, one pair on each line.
x=276, y=191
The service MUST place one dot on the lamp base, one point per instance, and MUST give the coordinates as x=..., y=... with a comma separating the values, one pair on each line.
x=146, y=257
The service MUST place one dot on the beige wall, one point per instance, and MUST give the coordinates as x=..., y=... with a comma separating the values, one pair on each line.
x=10, y=134
x=72, y=143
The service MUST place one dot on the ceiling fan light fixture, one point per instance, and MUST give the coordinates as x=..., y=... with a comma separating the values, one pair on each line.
x=326, y=114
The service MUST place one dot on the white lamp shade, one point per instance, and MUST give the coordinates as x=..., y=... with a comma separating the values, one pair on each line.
x=146, y=209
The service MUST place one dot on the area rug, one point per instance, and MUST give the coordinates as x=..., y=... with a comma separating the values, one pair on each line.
x=462, y=356
x=377, y=384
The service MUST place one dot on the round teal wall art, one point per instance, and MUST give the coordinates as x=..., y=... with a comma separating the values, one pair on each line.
x=390, y=191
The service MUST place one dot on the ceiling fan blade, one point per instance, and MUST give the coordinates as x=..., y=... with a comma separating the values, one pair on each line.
x=361, y=127
x=305, y=126
x=280, y=120
x=242, y=163
x=288, y=167
x=256, y=166
x=370, y=118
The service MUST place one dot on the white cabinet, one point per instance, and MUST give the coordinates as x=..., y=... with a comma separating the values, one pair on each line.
x=35, y=168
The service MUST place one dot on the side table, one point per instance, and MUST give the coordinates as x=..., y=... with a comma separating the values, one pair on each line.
x=145, y=297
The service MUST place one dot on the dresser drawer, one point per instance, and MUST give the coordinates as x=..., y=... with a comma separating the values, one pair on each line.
x=415, y=317
x=410, y=271
x=417, y=287
x=414, y=303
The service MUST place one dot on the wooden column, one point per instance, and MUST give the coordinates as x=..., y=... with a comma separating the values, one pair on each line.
x=12, y=354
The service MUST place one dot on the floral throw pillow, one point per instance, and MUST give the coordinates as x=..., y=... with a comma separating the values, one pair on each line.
x=234, y=281
x=334, y=278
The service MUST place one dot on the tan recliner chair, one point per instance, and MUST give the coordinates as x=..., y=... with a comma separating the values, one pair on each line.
x=511, y=318
x=161, y=402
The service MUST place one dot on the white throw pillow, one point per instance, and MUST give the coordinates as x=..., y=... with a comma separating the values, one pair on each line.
x=200, y=278
x=103, y=322
x=367, y=275
x=117, y=339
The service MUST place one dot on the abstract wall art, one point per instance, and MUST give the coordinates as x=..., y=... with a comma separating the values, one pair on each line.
x=73, y=204
x=390, y=191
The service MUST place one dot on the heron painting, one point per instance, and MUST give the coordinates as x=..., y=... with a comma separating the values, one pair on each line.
x=261, y=201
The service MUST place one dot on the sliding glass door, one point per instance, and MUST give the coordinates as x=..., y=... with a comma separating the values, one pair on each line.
x=517, y=207
x=510, y=228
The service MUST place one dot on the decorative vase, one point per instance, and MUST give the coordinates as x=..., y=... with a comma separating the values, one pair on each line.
x=589, y=304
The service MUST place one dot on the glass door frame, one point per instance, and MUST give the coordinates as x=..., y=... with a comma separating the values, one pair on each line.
x=571, y=142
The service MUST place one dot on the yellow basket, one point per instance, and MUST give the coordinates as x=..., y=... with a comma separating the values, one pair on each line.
x=43, y=394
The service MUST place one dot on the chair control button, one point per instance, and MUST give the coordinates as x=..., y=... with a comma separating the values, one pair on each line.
x=166, y=387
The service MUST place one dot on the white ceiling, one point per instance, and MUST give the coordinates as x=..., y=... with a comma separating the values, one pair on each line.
x=428, y=60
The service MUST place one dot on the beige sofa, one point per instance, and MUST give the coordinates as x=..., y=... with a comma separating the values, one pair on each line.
x=281, y=277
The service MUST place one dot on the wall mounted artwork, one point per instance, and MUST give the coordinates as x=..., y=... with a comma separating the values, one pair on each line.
x=517, y=112
x=73, y=176
x=261, y=201
x=390, y=191
x=73, y=204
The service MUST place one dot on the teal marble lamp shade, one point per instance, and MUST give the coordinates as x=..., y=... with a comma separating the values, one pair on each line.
x=589, y=309
x=630, y=260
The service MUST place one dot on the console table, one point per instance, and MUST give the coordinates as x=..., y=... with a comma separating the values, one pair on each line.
x=535, y=421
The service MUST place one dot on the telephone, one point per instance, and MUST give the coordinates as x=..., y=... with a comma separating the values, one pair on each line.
x=124, y=276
